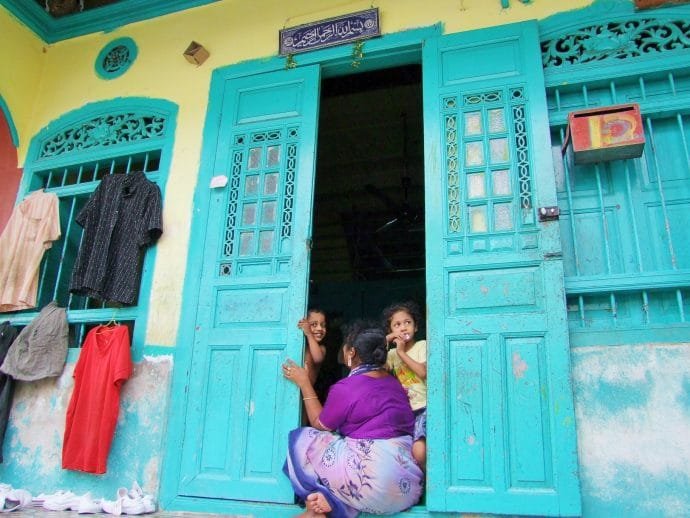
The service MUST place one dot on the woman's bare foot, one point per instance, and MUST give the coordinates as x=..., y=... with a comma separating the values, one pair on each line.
x=318, y=504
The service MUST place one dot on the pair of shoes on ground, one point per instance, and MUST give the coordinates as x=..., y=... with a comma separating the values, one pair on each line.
x=13, y=499
x=68, y=501
x=133, y=501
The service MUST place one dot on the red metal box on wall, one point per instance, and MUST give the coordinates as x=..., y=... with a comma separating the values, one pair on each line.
x=606, y=133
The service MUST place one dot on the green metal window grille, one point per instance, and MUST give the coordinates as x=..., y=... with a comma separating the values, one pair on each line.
x=70, y=163
x=625, y=223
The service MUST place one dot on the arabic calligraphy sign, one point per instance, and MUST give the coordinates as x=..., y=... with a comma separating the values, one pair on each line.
x=330, y=32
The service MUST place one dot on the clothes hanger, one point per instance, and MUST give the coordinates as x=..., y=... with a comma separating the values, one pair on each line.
x=112, y=322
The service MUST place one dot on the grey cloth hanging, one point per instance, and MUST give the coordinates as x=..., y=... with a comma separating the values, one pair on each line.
x=7, y=336
x=40, y=350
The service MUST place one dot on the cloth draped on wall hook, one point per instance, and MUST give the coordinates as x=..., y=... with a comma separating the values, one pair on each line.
x=40, y=349
x=31, y=230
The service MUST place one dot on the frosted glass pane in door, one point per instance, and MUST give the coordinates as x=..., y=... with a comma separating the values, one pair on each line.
x=249, y=214
x=271, y=183
x=268, y=213
x=474, y=154
x=473, y=123
x=254, y=158
x=501, y=182
x=475, y=185
x=478, y=221
x=251, y=185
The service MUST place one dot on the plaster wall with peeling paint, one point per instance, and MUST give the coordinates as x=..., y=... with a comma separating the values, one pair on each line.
x=33, y=443
x=632, y=407
x=632, y=417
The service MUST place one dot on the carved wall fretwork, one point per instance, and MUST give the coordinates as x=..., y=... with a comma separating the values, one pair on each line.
x=109, y=130
x=616, y=41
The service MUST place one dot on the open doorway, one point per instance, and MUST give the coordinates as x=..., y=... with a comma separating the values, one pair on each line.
x=368, y=229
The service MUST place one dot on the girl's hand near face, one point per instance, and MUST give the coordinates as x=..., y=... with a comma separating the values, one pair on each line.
x=396, y=338
x=304, y=325
x=401, y=346
x=391, y=337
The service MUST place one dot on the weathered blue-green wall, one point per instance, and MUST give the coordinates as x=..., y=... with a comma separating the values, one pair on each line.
x=33, y=444
x=632, y=406
x=633, y=421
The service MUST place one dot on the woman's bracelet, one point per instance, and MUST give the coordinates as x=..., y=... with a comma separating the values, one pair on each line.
x=310, y=397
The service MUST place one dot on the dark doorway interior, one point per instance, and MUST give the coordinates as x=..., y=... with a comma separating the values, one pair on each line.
x=368, y=229
x=368, y=232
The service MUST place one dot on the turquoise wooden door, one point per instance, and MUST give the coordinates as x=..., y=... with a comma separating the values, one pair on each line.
x=501, y=427
x=252, y=291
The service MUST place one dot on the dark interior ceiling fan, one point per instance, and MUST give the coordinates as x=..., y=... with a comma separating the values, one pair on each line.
x=385, y=233
x=404, y=215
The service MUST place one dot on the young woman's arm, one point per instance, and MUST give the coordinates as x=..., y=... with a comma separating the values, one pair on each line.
x=300, y=377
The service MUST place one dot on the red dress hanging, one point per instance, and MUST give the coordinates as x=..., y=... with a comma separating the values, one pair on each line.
x=104, y=364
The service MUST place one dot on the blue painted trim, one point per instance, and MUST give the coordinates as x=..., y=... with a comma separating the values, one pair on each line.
x=158, y=350
x=80, y=317
x=10, y=122
x=131, y=47
x=237, y=508
x=627, y=282
x=72, y=355
x=335, y=61
x=564, y=22
x=666, y=334
x=166, y=109
x=106, y=18
x=664, y=107
x=380, y=51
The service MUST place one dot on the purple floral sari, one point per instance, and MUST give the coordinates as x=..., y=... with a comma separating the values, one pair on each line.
x=377, y=476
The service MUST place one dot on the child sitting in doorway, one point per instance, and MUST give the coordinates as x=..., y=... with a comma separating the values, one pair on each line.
x=407, y=361
x=314, y=328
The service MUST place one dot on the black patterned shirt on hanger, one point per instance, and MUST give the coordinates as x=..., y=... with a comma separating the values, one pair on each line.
x=120, y=220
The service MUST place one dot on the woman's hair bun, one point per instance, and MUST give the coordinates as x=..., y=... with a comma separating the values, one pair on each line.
x=370, y=344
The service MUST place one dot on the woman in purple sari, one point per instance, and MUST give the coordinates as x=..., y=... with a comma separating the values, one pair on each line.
x=357, y=454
